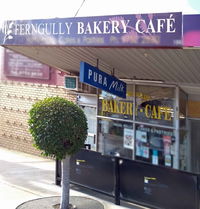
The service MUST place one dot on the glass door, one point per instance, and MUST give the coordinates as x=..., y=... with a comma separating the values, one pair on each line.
x=90, y=113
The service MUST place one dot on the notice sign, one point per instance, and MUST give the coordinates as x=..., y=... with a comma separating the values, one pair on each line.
x=17, y=65
x=99, y=79
x=128, y=138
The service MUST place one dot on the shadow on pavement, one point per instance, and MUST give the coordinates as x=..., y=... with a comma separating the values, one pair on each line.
x=104, y=197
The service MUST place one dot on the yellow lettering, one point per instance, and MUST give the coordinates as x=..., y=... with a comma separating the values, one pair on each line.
x=104, y=105
x=116, y=107
x=136, y=110
x=167, y=112
x=159, y=113
x=147, y=108
x=129, y=108
x=122, y=107
x=154, y=113
x=111, y=109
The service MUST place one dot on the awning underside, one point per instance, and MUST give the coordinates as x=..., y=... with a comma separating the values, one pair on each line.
x=175, y=66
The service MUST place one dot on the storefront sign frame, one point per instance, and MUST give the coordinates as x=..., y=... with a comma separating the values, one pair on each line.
x=134, y=30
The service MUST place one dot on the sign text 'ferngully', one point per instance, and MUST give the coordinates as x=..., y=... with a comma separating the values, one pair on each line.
x=99, y=79
x=162, y=29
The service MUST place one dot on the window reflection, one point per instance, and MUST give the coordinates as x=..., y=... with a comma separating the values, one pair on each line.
x=116, y=138
x=155, y=104
x=155, y=145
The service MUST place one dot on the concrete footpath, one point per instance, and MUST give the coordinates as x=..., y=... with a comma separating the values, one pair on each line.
x=25, y=177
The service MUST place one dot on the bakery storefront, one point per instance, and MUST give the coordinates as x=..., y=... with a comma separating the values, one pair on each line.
x=148, y=125
x=146, y=146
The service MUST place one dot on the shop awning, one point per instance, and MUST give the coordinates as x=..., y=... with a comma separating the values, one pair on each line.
x=143, y=47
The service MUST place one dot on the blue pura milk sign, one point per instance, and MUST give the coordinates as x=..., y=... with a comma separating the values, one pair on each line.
x=99, y=79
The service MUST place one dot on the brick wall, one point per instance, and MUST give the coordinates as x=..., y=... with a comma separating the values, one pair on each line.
x=16, y=98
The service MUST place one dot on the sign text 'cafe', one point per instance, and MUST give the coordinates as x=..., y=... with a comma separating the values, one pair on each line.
x=126, y=108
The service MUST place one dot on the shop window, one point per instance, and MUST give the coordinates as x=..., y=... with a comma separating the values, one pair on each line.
x=182, y=108
x=116, y=138
x=154, y=145
x=184, y=154
x=155, y=105
x=112, y=106
x=145, y=125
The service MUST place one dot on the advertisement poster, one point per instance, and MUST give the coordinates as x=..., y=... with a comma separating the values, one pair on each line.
x=168, y=160
x=141, y=136
x=145, y=152
x=17, y=65
x=167, y=144
x=155, y=157
x=128, y=138
x=141, y=150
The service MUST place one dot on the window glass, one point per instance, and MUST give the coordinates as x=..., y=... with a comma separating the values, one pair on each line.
x=182, y=109
x=112, y=106
x=90, y=113
x=154, y=145
x=116, y=138
x=184, y=153
x=155, y=105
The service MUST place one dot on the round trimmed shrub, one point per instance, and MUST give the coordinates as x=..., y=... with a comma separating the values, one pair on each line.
x=58, y=127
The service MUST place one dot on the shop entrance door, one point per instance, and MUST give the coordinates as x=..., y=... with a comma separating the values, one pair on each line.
x=90, y=113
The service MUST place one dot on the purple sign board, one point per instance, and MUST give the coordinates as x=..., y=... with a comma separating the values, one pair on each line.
x=191, y=30
x=16, y=65
x=135, y=30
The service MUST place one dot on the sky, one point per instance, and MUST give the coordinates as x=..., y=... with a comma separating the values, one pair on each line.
x=43, y=9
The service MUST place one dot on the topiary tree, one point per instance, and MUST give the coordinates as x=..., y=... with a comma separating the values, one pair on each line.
x=59, y=129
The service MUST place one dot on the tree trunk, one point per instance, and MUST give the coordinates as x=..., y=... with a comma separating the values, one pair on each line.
x=65, y=183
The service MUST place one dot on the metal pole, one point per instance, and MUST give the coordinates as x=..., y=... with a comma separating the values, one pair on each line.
x=198, y=191
x=58, y=173
x=116, y=181
x=176, y=121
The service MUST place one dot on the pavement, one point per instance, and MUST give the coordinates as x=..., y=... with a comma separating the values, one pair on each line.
x=25, y=177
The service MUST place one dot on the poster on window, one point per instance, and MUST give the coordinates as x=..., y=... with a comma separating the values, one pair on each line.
x=141, y=136
x=155, y=157
x=141, y=150
x=128, y=138
x=168, y=160
x=167, y=144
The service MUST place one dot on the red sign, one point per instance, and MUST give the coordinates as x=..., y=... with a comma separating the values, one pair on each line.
x=17, y=65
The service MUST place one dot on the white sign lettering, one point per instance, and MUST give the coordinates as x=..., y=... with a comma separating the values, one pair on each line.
x=112, y=26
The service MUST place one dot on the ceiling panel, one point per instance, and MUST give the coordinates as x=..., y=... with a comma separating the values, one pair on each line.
x=179, y=66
